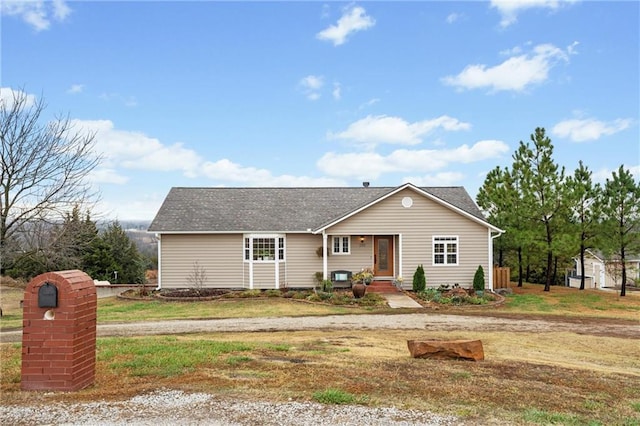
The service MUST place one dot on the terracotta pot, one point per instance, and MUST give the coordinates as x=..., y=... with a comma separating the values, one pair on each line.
x=358, y=290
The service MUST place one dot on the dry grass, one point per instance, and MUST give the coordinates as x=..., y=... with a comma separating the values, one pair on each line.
x=581, y=379
x=559, y=377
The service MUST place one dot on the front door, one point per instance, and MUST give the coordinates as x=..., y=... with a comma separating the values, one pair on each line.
x=383, y=255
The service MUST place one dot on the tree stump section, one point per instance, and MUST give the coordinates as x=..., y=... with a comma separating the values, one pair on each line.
x=446, y=349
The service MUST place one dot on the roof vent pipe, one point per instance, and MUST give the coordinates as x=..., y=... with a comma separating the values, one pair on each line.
x=365, y=184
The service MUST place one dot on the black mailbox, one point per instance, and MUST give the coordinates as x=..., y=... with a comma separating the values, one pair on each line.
x=48, y=296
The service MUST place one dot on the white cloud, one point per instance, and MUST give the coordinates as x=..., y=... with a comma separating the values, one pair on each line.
x=135, y=150
x=60, y=10
x=438, y=179
x=227, y=170
x=602, y=175
x=510, y=9
x=8, y=95
x=311, y=86
x=337, y=91
x=105, y=175
x=37, y=13
x=453, y=17
x=352, y=20
x=516, y=73
x=129, y=150
x=582, y=130
x=369, y=103
x=373, y=130
x=370, y=165
x=75, y=88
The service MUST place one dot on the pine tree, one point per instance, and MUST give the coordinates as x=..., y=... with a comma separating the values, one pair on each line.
x=125, y=265
x=585, y=206
x=544, y=191
x=621, y=211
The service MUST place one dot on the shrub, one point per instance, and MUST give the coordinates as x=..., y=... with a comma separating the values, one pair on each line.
x=326, y=286
x=419, y=279
x=478, y=279
x=273, y=293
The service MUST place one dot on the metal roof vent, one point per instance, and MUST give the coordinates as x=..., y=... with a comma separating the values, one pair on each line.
x=365, y=184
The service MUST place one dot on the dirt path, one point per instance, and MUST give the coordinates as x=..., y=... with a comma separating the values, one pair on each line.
x=417, y=321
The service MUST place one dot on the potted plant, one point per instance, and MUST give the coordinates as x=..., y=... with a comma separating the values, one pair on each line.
x=398, y=281
x=359, y=282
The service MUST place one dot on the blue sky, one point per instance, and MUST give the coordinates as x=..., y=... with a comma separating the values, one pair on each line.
x=327, y=93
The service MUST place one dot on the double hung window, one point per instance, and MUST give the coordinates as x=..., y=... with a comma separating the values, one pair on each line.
x=445, y=250
x=340, y=244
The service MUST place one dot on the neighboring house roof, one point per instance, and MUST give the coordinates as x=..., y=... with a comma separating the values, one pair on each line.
x=599, y=255
x=210, y=210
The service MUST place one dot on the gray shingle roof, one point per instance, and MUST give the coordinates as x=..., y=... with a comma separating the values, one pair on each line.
x=276, y=209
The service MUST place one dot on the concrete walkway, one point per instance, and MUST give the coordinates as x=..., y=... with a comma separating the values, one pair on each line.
x=400, y=300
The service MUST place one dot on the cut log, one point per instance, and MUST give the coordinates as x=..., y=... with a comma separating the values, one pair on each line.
x=446, y=349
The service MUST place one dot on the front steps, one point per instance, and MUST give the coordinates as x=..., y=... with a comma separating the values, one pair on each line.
x=386, y=287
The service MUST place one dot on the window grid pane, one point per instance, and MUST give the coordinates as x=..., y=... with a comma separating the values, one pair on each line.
x=448, y=246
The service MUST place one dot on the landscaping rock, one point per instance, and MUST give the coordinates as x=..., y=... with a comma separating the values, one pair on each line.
x=446, y=349
x=503, y=291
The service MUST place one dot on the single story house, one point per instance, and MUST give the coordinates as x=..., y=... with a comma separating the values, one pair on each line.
x=270, y=238
x=600, y=272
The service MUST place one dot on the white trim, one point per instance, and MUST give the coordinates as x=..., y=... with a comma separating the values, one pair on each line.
x=158, y=237
x=399, y=271
x=445, y=254
x=324, y=256
x=341, y=246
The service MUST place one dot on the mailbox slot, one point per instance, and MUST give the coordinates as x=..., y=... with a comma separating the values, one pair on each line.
x=48, y=296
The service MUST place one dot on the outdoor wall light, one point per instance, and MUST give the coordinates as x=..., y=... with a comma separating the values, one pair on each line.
x=361, y=239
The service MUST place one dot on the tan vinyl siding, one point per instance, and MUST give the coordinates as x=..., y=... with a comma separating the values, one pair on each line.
x=264, y=275
x=418, y=225
x=302, y=260
x=219, y=255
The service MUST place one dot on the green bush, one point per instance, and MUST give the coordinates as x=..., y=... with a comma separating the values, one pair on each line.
x=478, y=279
x=419, y=279
x=326, y=286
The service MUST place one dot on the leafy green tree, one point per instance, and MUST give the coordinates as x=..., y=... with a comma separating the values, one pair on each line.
x=585, y=206
x=621, y=211
x=544, y=192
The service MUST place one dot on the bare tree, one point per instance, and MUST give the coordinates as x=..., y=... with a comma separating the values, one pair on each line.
x=197, y=278
x=45, y=166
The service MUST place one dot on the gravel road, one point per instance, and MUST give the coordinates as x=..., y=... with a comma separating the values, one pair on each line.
x=417, y=321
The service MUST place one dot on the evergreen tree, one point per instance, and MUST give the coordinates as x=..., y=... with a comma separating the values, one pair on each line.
x=544, y=191
x=621, y=211
x=123, y=262
x=419, y=279
x=585, y=205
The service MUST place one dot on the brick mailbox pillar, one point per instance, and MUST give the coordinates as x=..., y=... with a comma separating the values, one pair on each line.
x=59, y=332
